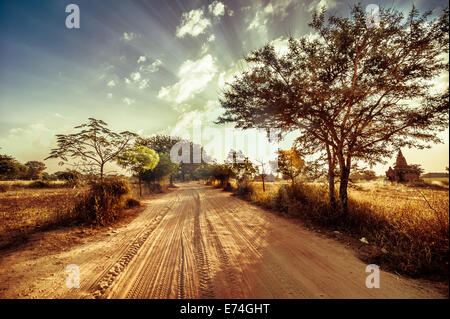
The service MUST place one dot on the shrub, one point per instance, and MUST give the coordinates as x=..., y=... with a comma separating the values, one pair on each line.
x=245, y=188
x=103, y=202
x=4, y=188
x=155, y=188
x=72, y=177
x=131, y=202
x=39, y=184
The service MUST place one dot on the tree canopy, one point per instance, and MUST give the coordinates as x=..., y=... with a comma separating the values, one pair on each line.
x=93, y=146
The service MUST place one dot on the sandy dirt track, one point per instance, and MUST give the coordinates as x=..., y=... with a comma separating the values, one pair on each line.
x=200, y=242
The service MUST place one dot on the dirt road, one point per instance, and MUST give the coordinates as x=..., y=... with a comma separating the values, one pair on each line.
x=199, y=242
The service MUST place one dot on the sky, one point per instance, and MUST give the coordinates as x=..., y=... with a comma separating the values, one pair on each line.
x=146, y=66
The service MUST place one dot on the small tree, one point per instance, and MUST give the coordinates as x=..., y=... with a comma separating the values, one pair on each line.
x=263, y=173
x=94, y=144
x=290, y=163
x=164, y=168
x=35, y=169
x=223, y=173
x=139, y=160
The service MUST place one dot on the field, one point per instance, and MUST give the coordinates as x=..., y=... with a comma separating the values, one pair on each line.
x=25, y=210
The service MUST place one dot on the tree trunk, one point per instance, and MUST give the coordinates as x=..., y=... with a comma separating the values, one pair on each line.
x=264, y=185
x=140, y=189
x=344, y=175
x=331, y=190
x=101, y=174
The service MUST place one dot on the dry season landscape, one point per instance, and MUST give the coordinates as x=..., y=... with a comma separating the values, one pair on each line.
x=216, y=149
x=198, y=242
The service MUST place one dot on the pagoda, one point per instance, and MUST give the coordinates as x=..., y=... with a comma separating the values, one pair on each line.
x=402, y=172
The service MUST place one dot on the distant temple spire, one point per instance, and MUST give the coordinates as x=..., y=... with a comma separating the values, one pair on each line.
x=401, y=160
x=402, y=172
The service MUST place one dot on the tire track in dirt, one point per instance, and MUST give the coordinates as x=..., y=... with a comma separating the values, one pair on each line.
x=180, y=280
x=206, y=289
x=108, y=277
x=246, y=242
x=226, y=263
x=158, y=273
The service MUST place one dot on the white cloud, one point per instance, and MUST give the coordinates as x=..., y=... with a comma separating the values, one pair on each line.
x=151, y=68
x=111, y=83
x=281, y=45
x=128, y=36
x=143, y=84
x=135, y=76
x=204, y=49
x=109, y=95
x=263, y=15
x=128, y=101
x=317, y=5
x=217, y=8
x=194, y=77
x=193, y=23
x=206, y=115
x=226, y=77
x=141, y=59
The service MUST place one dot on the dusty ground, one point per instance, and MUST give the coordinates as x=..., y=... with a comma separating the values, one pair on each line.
x=199, y=242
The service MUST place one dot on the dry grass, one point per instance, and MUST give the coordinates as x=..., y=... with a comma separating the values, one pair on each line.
x=408, y=224
x=25, y=210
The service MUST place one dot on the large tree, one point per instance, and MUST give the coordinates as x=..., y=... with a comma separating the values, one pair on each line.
x=353, y=91
x=93, y=145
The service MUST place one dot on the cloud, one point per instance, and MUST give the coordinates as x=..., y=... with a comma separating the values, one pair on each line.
x=128, y=36
x=128, y=101
x=193, y=23
x=109, y=95
x=217, y=8
x=281, y=45
x=264, y=15
x=111, y=83
x=151, y=68
x=194, y=77
x=317, y=5
x=143, y=84
x=227, y=77
x=205, y=115
x=135, y=76
x=141, y=59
